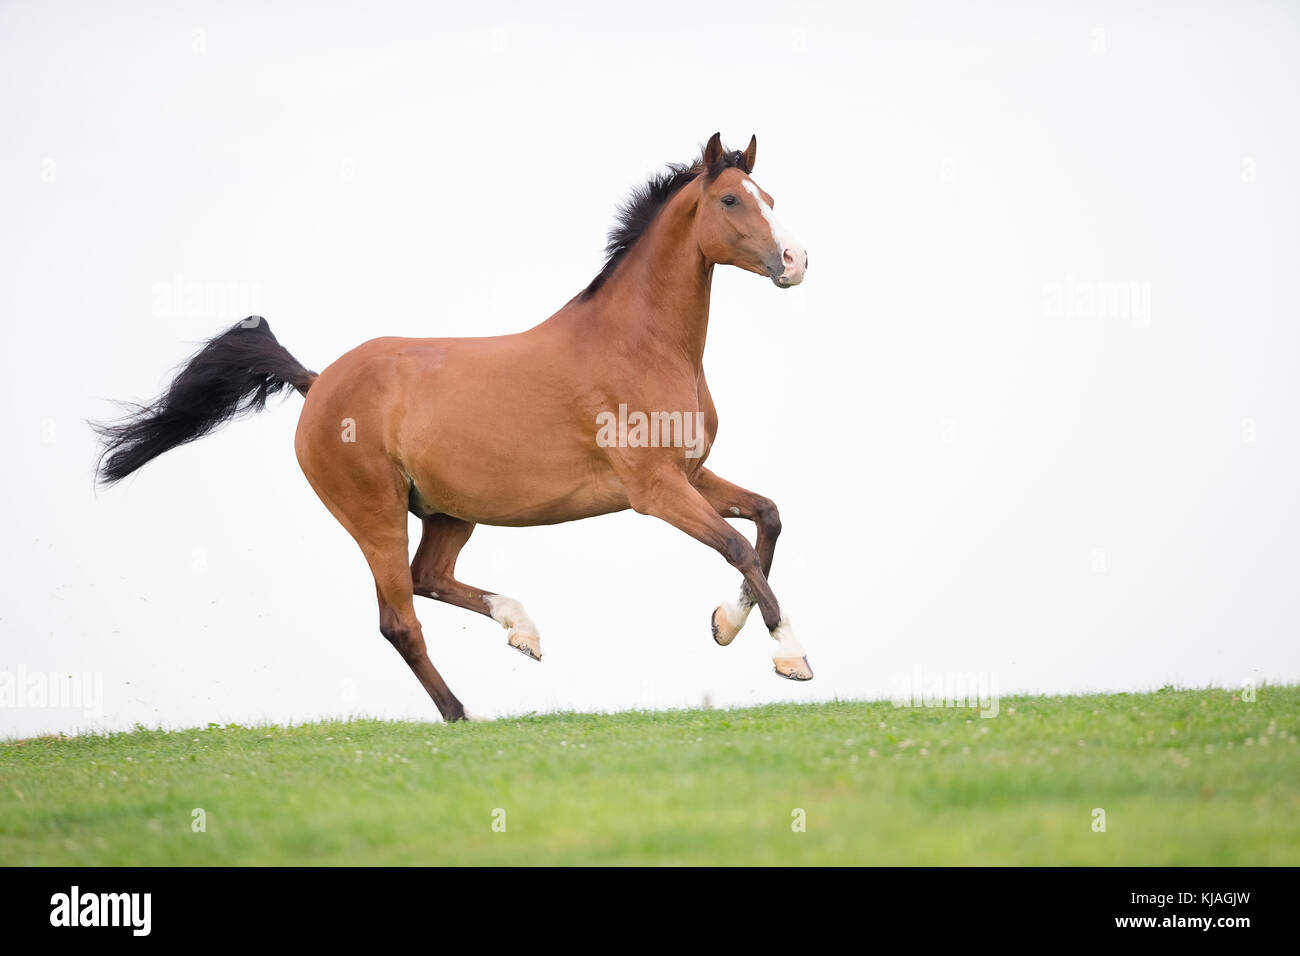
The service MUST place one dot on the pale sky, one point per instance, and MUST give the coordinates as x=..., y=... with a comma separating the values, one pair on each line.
x=1032, y=414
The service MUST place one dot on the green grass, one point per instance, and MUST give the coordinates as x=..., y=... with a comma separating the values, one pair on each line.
x=1184, y=776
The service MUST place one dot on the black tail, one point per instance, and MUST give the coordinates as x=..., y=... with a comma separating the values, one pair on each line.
x=232, y=374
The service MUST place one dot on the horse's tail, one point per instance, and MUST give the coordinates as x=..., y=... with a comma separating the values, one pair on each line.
x=232, y=374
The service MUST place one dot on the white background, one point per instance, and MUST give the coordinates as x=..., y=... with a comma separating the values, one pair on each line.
x=972, y=475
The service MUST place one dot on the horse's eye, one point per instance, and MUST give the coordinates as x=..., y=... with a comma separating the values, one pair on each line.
x=729, y=200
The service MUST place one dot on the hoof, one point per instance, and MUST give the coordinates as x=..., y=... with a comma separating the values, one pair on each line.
x=793, y=668
x=529, y=644
x=724, y=632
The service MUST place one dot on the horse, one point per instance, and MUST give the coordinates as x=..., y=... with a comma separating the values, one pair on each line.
x=519, y=430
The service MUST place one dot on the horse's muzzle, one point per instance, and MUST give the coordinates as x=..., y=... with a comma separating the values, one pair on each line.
x=790, y=270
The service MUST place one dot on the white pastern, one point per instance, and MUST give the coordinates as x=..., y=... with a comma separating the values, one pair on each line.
x=736, y=613
x=786, y=644
x=509, y=613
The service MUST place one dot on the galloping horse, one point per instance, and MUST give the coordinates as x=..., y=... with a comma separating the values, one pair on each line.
x=507, y=430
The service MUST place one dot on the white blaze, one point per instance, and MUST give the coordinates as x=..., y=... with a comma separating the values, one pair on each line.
x=782, y=238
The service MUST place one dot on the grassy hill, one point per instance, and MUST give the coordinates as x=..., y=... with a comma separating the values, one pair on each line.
x=1183, y=777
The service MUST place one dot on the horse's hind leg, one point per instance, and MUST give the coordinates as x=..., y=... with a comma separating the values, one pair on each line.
x=370, y=502
x=433, y=575
x=398, y=623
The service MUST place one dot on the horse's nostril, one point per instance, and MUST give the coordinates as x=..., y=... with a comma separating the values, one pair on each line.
x=788, y=258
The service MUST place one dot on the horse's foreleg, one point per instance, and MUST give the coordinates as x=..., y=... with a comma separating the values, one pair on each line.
x=675, y=500
x=732, y=501
x=433, y=573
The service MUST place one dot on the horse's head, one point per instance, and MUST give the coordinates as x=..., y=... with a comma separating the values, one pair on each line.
x=734, y=222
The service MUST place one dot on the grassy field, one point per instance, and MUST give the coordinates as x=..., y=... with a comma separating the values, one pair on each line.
x=1184, y=777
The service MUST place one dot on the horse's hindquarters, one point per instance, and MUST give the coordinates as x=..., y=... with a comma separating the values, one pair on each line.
x=466, y=427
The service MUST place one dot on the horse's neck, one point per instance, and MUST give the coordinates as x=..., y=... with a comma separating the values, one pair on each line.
x=658, y=297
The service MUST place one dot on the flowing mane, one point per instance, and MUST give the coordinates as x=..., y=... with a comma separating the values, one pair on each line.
x=641, y=206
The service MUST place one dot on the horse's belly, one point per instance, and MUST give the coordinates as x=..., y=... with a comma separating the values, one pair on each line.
x=517, y=490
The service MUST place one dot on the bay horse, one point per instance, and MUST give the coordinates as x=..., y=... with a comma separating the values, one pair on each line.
x=503, y=430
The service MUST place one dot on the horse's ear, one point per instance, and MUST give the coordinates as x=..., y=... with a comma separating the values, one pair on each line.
x=713, y=151
x=751, y=153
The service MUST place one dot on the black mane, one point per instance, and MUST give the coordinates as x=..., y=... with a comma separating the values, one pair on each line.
x=640, y=208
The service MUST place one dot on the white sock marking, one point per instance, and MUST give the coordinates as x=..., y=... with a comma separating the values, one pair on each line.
x=509, y=613
x=736, y=613
x=787, y=645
